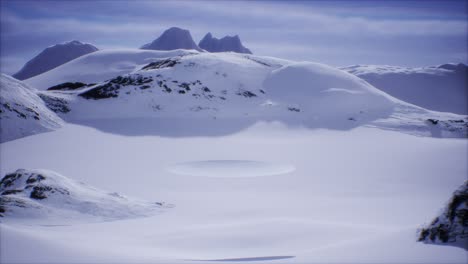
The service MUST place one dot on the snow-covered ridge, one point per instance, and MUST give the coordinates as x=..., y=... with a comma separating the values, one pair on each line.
x=227, y=43
x=229, y=85
x=22, y=112
x=440, y=88
x=100, y=65
x=451, y=227
x=42, y=194
x=53, y=57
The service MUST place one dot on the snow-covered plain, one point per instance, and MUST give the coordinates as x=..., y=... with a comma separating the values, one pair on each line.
x=348, y=173
x=355, y=196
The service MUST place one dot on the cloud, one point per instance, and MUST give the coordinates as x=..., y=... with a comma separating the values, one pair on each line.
x=295, y=30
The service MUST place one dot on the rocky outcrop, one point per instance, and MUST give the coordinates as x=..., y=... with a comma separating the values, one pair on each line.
x=451, y=227
x=34, y=194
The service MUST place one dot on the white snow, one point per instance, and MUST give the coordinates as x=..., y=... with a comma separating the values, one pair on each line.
x=100, y=66
x=355, y=196
x=230, y=168
x=23, y=113
x=46, y=197
x=352, y=171
x=440, y=88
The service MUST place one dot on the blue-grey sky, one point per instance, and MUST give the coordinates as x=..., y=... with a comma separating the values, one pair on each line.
x=339, y=33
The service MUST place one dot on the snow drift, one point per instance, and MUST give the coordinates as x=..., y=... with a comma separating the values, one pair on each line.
x=326, y=94
x=36, y=194
x=451, y=227
x=22, y=112
x=441, y=88
x=53, y=57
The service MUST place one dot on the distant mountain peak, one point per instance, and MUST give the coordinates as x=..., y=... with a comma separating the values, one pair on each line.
x=171, y=39
x=227, y=43
x=54, y=56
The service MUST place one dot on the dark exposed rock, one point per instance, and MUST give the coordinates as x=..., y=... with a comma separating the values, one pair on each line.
x=294, y=109
x=112, y=87
x=8, y=192
x=56, y=104
x=40, y=192
x=451, y=227
x=433, y=121
x=9, y=179
x=246, y=93
x=68, y=86
x=167, y=63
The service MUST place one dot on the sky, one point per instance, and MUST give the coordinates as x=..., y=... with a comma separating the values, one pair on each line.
x=338, y=33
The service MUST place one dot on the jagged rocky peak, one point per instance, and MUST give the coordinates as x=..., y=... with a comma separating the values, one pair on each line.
x=53, y=57
x=171, y=39
x=227, y=43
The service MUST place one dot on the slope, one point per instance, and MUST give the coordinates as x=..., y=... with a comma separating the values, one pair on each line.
x=441, y=88
x=53, y=57
x=22, y=112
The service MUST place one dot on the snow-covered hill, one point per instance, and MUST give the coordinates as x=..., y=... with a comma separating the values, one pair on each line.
x=227, y=43
x=217, y=86
x=40, y=194
x=53, y=57
x=99, y=66
x=442, y=88
x=451, y=227
x=172, y=39
x=22, y=111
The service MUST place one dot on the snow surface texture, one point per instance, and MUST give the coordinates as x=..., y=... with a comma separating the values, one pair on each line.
x=442, y=88
x=227, y=43
x=356, y=196
x=41, y=195
x=53, y=57
x=172, y=39
x=451, y=227
x=22, y=112
x=221, y=93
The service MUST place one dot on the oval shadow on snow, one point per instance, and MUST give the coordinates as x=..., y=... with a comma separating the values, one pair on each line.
x=230, y=168
x=263, y=258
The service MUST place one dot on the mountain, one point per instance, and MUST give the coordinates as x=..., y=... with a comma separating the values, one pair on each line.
x=230, y=88
x=52, y=57
x=450, y=228
x=22, y=111
x=227, y=43
x=35, y=194
x=172, y=39
x=440, y=88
